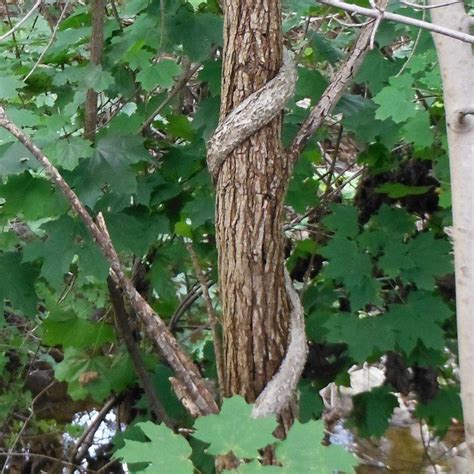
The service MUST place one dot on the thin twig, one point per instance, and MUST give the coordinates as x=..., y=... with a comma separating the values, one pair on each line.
x=87, y=438
x=162, y=24
x=125, y=330
x=373, y=13
x=10, y=24
x=193, y=294
x=213, y=320
x=25, y=424
x=417, y=6
x=334, y=91
x=23, y=20
x=412, y=52
x=50, y=42
x=426, y=447
x=28, y=454
x=116, y=14
x=174, y=91
x=96, y=47
x=378, y=20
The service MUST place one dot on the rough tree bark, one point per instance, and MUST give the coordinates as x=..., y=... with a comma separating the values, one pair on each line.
x=456, y=61
x=250, y=188
x=96, y=46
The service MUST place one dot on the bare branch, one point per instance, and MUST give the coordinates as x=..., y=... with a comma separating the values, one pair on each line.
x=87, y=438
x=417, y=6
x=50, y=42
x=125, y=330
x=154, y=325
x=174, y=91
x=23, y=20
x=213, y=320
x=96, y=47
x=334, y=91
x=374, y=13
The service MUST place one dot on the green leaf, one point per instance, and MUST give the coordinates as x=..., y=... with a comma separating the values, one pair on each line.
x=68, y=330
x=110, y=165
x=207, y=116
x=255, y=466
x=95, y=78
x=33, y=198
x=197, y=32
x=234, y=430
x=365, y=337
x=418, y=320
x=394, y=220
x=302, y=451
x=431, y=258
x=166, y=452
x=357, y=277
x=200, y=210
x=310, y=404
x=66, y=237
x=135, y=233
x=211, y=73
x=398, y=190
x=85, y=374
x=311, y=84
x=15, y=159
x=66, y=153
x=161, y=74
x=325, y=49
x=417, y=130
x=372, y=411
x=440, y=411
x=9, y=86
x=17, y=283
x=396, y=100
x=375, y=70
x=343, y=221
x=395, y=259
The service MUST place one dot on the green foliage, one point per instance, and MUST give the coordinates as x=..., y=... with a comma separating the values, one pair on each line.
x=18, y=283
x=373, y=410
x=302, y=451
x=440, y=411
x=233, y=430
x=366, y=237
x=165, y=451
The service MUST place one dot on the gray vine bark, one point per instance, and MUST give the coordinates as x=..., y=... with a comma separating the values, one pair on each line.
x=250, y=188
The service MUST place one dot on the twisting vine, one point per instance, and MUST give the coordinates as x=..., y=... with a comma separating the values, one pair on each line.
x=240, y=124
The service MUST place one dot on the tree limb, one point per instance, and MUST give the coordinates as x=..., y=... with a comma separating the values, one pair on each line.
x=96, y=47
x=154, y=325
x=334, y=91
x=375, y=13
x=125, y=330
x=213, y=320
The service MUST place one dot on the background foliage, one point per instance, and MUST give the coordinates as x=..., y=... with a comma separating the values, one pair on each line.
x=367, y=213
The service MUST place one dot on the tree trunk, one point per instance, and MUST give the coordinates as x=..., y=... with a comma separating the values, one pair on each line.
x=96, y=46
x=250, y=190
x=456, y=61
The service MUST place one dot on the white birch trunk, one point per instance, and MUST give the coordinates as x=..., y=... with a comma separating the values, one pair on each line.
x=456, y=61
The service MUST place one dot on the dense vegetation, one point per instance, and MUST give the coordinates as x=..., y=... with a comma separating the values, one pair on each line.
x=368, y=213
